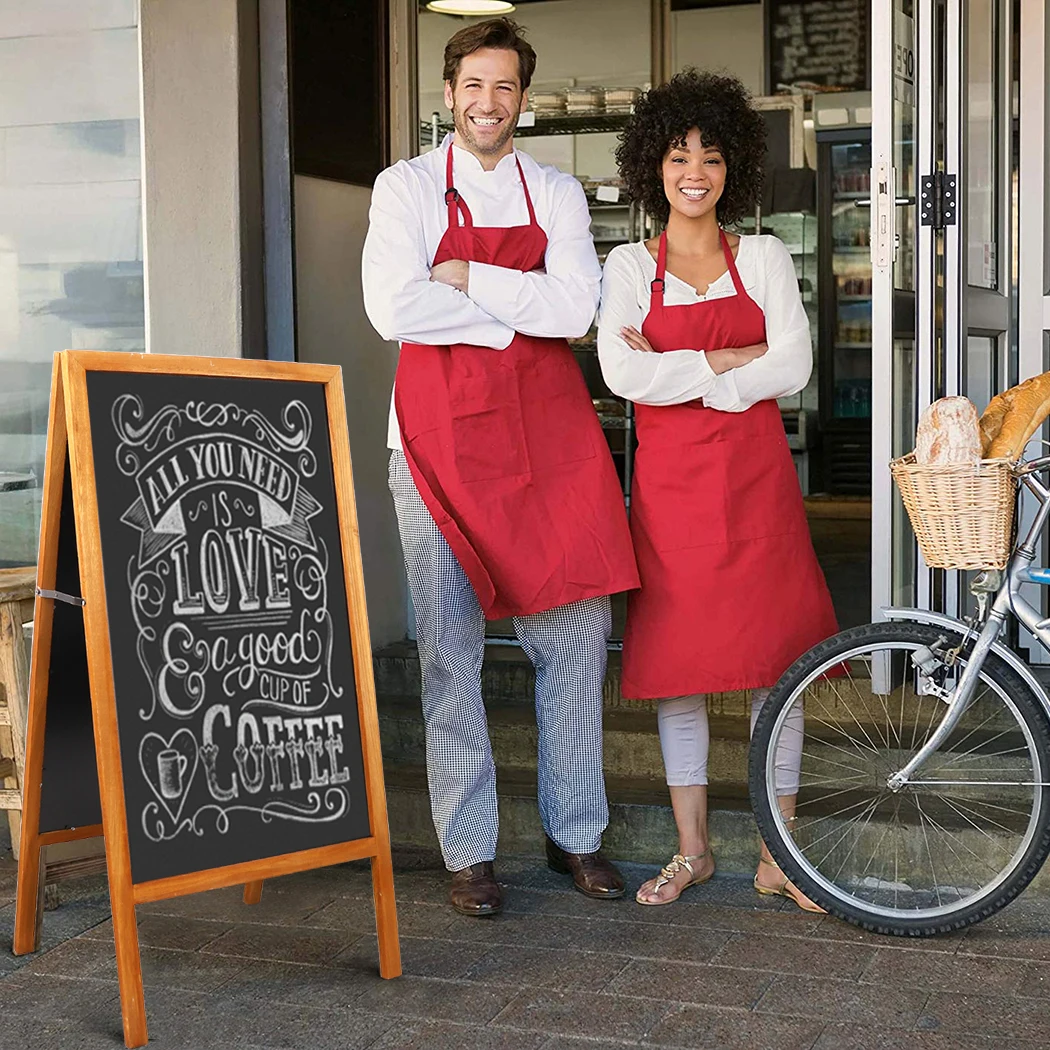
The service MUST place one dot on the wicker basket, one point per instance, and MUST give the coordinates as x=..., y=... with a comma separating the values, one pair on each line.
x=963, y=516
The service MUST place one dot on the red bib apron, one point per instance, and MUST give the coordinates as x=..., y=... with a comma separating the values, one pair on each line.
x=506, y=449
x=732, y=593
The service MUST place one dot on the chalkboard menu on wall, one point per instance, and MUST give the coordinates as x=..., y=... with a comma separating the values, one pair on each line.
x=823, y=42
x=228, y=619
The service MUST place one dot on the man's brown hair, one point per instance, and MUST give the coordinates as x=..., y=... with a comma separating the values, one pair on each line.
x=501, y=33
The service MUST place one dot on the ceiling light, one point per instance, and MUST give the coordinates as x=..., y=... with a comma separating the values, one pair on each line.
x=470, y=7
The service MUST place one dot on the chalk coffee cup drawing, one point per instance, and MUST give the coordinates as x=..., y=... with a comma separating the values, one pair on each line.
x=171, y=768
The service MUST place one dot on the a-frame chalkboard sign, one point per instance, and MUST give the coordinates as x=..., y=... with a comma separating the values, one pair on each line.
x=201, y=689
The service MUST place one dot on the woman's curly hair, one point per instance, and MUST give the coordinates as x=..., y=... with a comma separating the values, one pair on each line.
x=720, y=107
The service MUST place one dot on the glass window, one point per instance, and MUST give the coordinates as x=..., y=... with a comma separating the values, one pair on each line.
x=70, y=220
x=982, y=144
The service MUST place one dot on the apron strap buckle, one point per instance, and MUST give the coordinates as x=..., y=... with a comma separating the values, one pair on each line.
x=657, y=287
x=452, y=195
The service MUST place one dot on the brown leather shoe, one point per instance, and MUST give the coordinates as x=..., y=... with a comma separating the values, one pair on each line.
x=475, y=891
x=592, y=874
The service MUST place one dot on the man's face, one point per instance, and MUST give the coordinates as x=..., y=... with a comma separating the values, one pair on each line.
x=486, y=99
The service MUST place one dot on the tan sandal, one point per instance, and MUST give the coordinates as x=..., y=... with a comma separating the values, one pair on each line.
x=668, y=873
x=786, y=889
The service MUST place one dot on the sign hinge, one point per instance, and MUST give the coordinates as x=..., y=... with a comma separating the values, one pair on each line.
x=58, y=596
x=938, y=201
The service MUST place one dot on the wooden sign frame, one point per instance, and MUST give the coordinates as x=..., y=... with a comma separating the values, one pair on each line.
x=70, y=434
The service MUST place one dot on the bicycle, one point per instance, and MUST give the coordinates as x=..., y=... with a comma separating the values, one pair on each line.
x=924, y=794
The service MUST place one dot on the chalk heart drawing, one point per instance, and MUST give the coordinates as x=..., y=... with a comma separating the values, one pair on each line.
x=169, y=766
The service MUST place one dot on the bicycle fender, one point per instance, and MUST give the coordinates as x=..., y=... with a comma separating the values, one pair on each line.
x=1005, y=654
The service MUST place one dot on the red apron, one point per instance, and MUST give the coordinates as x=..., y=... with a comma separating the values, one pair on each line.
x=731, y=590
x=507, y=452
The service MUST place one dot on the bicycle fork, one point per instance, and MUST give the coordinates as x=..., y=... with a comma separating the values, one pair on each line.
x=960, y=696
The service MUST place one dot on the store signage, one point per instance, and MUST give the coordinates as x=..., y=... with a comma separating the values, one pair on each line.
x=817, y=42
x=226, y=688
x=903, y=59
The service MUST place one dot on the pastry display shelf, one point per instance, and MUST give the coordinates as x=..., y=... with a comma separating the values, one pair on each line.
x=560, y=124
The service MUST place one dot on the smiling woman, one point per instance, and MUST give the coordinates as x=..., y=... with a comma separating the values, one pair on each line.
x=704, y=330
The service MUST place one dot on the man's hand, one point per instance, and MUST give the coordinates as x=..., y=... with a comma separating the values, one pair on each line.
x=733, y=357
x=453, y=272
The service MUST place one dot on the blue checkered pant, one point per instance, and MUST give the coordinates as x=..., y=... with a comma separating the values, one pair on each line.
x=567, y=646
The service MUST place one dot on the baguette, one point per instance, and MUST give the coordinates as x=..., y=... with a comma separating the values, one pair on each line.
x=948, y=433
x=1013, y=416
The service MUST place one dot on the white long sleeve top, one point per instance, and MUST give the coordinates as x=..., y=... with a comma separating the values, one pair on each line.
x=683, y=374
x=407, y=219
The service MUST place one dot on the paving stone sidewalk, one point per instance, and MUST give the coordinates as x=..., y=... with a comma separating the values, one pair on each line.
x=721, y=969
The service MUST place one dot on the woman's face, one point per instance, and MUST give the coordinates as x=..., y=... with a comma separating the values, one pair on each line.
x=694, y=176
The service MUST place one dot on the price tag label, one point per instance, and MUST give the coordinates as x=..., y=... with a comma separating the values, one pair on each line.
x=527, y=119
x=608, y=194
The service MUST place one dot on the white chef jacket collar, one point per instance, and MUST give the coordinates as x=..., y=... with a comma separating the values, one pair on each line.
x=464, y=156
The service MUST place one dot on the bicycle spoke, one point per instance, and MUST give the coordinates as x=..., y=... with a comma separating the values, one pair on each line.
x=998, y=845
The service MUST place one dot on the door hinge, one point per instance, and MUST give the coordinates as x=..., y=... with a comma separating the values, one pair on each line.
x=938, y=202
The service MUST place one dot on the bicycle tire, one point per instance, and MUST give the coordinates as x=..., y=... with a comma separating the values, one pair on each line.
x=843, y=906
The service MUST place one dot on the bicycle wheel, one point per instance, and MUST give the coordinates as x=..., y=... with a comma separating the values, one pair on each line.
x=950, y=848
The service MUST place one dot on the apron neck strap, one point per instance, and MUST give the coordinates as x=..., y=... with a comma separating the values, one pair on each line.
x=528, y=198
x=656, y=289
x=730, y=262
x=457, y=206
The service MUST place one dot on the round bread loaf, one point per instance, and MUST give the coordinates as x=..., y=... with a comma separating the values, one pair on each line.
x=948, y=432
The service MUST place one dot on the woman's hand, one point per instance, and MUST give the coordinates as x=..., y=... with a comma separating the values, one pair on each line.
x=453, y=272
x=635, y=340
x=734, y=357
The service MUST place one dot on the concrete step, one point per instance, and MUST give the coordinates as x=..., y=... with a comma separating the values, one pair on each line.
x=641, y=825
x=631, y=743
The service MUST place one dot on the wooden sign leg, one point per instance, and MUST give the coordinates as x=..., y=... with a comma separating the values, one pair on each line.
x=129, y=963
x=29, y=897
x=253, y=892
x=386, y=913
x=29, y=902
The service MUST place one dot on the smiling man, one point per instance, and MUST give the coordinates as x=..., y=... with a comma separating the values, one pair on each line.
x=480, y=262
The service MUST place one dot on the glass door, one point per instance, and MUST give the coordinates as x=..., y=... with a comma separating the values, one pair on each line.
x=943, y=149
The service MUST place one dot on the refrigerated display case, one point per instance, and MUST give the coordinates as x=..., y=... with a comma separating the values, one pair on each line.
x=844, y=282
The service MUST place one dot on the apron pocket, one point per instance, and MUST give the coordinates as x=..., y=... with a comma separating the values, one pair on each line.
x=767, y=497
x=488, y=439
x=679, y=497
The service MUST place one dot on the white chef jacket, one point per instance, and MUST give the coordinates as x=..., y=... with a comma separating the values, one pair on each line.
x=407, y=220
x=676, y=376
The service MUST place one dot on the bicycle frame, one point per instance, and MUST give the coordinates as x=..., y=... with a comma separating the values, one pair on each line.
x=1008, y=600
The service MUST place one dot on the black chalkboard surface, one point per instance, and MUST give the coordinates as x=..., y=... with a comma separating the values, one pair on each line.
x=228, y=622
x=201, y=686
x=817, y=42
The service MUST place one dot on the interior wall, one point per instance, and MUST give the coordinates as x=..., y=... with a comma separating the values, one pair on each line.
x=331, y=219
x=721, y=39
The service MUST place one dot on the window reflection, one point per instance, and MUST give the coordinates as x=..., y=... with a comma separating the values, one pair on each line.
x=70, y=221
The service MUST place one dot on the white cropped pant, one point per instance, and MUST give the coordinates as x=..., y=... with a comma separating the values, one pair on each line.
x=685, y=740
